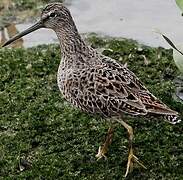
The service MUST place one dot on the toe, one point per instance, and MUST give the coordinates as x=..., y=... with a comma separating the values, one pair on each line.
x=100, y=154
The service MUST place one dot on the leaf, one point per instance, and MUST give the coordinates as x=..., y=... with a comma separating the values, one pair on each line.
x=169, y=41
x=177, y=52
x=178, y=58
x=180, y=4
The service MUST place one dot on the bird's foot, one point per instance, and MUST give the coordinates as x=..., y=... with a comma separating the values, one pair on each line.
x=131, y=159
x=102, y=150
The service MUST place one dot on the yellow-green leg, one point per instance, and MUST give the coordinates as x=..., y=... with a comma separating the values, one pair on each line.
x=131, y=157
x=104, y=148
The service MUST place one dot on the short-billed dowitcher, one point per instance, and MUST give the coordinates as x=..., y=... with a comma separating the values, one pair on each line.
x=95, y=83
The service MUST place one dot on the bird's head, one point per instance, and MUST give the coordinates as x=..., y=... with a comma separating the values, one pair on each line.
x=53, y=16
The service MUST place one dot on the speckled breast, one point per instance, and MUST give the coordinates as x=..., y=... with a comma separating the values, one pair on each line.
x=67, y=84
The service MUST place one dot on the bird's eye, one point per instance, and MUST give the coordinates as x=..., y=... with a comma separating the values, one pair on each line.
x=53, y=14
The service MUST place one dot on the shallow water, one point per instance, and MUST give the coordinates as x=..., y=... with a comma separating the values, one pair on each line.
x=120, y=18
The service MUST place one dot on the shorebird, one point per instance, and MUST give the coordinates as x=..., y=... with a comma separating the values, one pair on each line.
x=96, y=83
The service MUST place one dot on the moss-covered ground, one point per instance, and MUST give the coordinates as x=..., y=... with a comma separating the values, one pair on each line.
x=43, y=137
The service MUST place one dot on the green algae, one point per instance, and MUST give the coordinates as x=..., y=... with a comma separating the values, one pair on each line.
x=43, y=137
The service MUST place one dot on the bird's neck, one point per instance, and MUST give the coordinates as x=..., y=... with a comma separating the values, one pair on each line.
x=71, y=42
x=75, y=52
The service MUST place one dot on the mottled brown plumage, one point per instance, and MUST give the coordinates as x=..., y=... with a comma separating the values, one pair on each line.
x=95, y=83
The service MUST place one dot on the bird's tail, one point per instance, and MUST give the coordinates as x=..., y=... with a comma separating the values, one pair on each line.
x=173, y=119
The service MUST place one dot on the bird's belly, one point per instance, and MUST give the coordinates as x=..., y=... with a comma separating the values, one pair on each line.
x=75, y=92
x=71, y=92
x=67, y=87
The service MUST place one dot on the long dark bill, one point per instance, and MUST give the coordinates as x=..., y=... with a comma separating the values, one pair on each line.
x=36, y=26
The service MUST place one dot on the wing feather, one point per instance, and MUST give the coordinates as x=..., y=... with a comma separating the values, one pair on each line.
x=111, y=88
